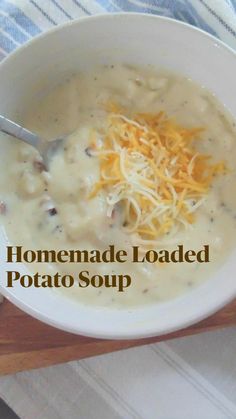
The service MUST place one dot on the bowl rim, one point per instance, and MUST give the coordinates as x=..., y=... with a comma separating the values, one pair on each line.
x=115, y=15
x=141, y=333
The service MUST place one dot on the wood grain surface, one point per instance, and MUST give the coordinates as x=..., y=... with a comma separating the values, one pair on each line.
x=26, y=343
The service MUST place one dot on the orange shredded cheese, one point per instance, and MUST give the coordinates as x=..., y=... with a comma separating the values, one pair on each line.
x=150, y=167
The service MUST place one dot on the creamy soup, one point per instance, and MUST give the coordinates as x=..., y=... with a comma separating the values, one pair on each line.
x=78, y=203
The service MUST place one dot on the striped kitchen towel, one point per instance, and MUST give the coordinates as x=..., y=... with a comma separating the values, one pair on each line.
x=22, y=19
x=189, y=378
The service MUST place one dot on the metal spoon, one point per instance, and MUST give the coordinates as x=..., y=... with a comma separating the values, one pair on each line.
x=44, y=147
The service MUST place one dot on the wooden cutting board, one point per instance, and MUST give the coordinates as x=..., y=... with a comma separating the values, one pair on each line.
x=26, y=343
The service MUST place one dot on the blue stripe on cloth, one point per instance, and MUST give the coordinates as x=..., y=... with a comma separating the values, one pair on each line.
x=231, y=3
x=81, y=7
x=39, y=8
x=10, y=27
x=20, y=18
x=110, y=7
x=7, y=44
x=61, y=9
x=141, y=7
x=231, y=30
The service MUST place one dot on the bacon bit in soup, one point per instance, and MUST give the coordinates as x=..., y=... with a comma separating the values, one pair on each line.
x=149, y=165
x=39, y=166
x=3, y=208
x=88, y=151
x=48, y=205
x=52, y=211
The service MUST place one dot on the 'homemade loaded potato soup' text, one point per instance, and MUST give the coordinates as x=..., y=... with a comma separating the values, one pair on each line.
x=148, y=161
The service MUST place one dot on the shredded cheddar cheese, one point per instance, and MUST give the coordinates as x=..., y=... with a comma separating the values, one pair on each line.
x=151, y=169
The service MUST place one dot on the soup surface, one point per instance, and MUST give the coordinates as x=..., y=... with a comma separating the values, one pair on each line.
x=75, y=204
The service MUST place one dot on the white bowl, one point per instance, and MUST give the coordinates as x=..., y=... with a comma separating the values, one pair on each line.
x=136, y=39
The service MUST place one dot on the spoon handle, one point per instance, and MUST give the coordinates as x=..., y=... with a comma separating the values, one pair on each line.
x=9, y=127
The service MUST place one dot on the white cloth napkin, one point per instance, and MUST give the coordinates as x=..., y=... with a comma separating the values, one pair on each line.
x=189, y=378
